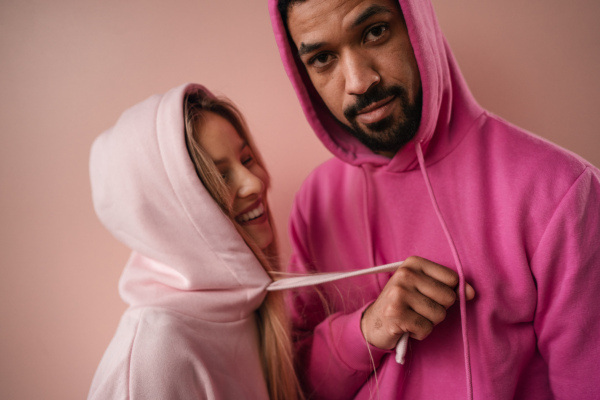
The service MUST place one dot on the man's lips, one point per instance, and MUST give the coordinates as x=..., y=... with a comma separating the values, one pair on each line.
x=375, y=111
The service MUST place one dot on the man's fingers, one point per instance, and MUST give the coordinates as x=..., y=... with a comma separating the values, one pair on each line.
x=414, y=300
x=469, y=292
x=433, y=270
x=436, y=291
x=390, y=330
x=443, y=276
x=429, y=308
x=419, y=327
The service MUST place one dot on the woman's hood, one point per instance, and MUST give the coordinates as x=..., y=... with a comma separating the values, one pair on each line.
x=447, y=102
x=187, y=255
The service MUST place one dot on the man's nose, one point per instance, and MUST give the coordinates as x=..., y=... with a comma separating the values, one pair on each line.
x=359, y=74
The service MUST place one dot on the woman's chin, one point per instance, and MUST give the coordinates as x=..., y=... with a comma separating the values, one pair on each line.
x=261, y=233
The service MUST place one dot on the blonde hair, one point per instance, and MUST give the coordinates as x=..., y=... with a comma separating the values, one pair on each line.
x=275, y=342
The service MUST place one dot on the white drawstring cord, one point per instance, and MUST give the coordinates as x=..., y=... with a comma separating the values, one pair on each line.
x=319, y=278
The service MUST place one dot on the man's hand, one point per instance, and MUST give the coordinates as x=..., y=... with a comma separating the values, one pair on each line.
x=414, y=300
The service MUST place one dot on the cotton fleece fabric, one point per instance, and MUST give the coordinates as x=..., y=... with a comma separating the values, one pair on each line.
x=191, y=282
x=524, y=217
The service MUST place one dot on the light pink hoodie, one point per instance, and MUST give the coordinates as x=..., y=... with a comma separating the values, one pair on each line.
x=191, y=283
x=516, y=216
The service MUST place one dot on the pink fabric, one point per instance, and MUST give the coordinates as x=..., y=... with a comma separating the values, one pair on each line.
x=191, y=282
x=523, y=214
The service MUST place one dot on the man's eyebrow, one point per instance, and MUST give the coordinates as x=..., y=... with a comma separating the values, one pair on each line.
x=368, y=13
x=365, y=15
x=309, y=48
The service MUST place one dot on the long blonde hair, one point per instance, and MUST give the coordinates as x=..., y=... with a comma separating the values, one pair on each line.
x=275, y=343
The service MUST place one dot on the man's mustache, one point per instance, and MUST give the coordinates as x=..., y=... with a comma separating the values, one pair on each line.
x=373, y=95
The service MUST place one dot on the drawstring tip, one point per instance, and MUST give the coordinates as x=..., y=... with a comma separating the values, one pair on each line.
x=401, y=348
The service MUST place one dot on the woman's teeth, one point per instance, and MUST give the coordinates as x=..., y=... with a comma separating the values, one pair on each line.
x=253, y=214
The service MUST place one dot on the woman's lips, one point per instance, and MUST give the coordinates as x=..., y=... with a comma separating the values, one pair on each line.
x=252, y=213
x=376, y=111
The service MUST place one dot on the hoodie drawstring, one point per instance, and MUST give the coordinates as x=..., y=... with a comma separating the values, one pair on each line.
x=365, y=215
x=320, y=278
x=461, y=275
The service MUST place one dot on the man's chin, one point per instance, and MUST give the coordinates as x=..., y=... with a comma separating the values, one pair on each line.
x=383, y=131
x=378, y=141
x=381, y=128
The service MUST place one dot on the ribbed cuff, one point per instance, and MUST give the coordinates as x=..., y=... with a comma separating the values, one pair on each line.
x=351, y=346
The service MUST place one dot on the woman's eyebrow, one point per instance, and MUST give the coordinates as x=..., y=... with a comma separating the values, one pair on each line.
x=220, y=161
x=225, y=160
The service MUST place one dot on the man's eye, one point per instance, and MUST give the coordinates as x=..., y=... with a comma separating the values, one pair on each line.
x=375, y=33
x=320, y=60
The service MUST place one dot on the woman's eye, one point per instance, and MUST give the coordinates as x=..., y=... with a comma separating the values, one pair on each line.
x=224, y=175
x=248, y=161
x=375, y=33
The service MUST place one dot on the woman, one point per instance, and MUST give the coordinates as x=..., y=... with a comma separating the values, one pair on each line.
x=179, y=181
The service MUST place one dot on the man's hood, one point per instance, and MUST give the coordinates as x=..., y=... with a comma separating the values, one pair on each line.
x=449, y=111
x=447, y=102
x=187, y=255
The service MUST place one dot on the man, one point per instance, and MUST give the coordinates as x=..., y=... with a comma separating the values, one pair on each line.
x=421, y=169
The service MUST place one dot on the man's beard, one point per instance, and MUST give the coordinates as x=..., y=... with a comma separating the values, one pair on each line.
x=390, y=133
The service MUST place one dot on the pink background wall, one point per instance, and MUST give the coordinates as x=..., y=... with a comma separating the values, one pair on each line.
x=69, y=67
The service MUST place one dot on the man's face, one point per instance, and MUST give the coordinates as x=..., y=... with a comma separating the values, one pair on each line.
x=359, y=58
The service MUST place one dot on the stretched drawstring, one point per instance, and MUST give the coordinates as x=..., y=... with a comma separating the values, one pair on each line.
x=316, y=279
x=324, y=277
x=461, y=275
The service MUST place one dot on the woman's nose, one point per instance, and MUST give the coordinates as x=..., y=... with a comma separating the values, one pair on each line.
x=249, y=184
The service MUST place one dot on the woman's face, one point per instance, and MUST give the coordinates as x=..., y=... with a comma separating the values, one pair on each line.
x=246, y=179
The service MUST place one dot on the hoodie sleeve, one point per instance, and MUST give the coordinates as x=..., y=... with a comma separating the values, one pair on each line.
x=334, y=360
x=566, y=266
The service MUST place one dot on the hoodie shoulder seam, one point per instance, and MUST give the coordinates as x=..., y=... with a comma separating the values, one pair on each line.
x=557, y=207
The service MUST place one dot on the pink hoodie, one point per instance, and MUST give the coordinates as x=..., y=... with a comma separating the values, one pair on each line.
x=191, y=283
x=516, y=216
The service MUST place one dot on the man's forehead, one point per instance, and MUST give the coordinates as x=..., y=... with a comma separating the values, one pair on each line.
x=313, y=15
